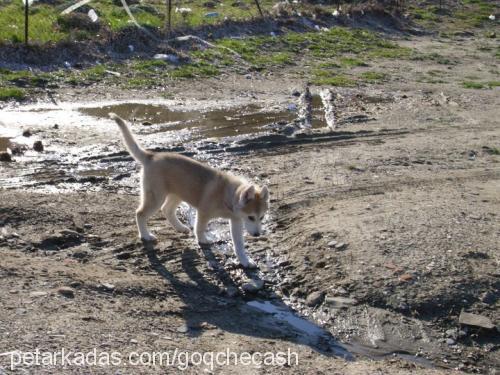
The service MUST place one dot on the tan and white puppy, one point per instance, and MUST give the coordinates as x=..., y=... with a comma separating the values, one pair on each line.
x=167, y=179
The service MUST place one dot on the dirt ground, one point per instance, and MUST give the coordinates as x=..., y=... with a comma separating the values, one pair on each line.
x=391, y=223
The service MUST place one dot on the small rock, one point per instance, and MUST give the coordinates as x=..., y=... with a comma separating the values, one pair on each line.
x=296, y=93
x=253, y=286
x=5, y=156
x=66, y=292
x=183, y=328
x=475, y=320
x=406, y=277
x=133, y=341
x=56, y=126
x=27, y=133
x=332, y=243
x=108, y=286
x=451, y=333
x=340, y=246
x=315, y=298
x=316, y=236
x=38, y=146
x=450, y=341
x=147, y=123
x=248, y=76
x=488, y=297
x=340, y=302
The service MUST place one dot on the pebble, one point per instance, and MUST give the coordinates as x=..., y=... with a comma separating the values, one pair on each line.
x=450, y=341
x=5, y=156
x=332, y=243
x=38, y=146
x=183, y=328
x=27, y=133
x=253, y=286
x=315, y=298
x=66, y=292
x=38, y=294
x=340, y=246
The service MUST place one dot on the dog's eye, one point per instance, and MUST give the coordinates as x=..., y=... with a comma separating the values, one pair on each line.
x=251, y=218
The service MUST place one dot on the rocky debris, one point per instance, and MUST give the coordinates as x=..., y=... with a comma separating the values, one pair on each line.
x=5, y=156
x=38, y=146
x=450, y=341
x=66, y=292
x=332, y=243
x=340, y=302
x=475, y=320
x=27, y=133
x=406, y=277
x=315, y=298
x=488, y=298
x=253, y=286
x=340, y=246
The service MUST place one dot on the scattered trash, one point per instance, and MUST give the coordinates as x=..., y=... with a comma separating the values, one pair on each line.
x=131, y=48
x=93, y=15
x=335, y=13
x=211, y=15
x=183, y=11
x=67, y=65
x=117, y=74
x=170, y=58
x=492, y=17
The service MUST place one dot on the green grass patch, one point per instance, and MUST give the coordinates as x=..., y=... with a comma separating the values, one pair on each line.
x=327, y=78
x=350, y=62
x=473, y=85
x=373, y=76
x=8, y=93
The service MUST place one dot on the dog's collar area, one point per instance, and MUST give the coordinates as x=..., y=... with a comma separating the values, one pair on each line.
x=228, y=206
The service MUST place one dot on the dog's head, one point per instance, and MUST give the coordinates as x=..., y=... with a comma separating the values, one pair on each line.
x=253, y=203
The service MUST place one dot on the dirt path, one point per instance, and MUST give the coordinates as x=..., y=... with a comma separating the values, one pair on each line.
x=392, y=224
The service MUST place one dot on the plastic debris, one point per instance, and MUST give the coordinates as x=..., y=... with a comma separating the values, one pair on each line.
x=211, y=15
x=328, y=97
x=93, y=15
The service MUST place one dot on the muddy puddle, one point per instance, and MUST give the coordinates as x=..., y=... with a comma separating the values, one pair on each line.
x=83, y=149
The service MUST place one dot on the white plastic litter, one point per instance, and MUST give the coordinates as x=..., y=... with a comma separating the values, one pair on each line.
x=492, y=17
x=93, y=15
x=131, y=48
x=183, y=11
x=211, y=14
x=335, y=13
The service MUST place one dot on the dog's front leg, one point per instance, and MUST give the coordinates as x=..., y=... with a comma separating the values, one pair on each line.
x=239, y=244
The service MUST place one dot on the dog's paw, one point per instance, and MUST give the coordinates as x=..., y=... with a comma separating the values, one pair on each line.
x=248, y=263
x=149, y=238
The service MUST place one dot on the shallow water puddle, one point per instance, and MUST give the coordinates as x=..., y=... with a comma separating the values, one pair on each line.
x=308, y=332
x=217, y=122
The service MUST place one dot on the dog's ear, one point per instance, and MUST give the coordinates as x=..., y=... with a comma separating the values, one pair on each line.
x=264, y=193
x=247, y=195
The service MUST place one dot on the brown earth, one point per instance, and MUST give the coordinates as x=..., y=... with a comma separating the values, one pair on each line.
x=414, y=201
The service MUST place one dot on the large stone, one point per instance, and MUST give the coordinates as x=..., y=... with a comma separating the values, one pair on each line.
x=253, y=286
x=475, y=320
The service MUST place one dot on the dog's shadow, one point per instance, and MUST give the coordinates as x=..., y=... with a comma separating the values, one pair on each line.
x=206, y=303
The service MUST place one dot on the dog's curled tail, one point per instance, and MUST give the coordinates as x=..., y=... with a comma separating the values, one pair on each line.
x=137, y=152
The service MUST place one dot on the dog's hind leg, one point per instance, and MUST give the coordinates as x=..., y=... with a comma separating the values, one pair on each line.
x=150, y=203
x=200, y=226
x=168, y=208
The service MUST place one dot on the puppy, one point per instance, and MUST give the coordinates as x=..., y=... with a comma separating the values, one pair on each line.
x=167, y=179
